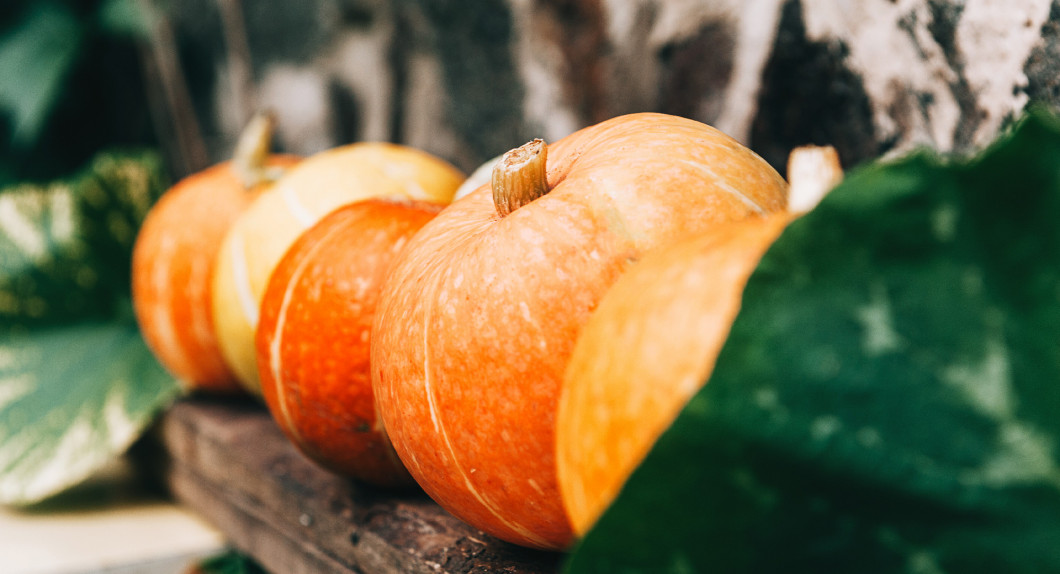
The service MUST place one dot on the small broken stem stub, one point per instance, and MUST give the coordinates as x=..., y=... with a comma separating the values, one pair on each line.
x=252, y=151
x=812, y=172
x=519, y=177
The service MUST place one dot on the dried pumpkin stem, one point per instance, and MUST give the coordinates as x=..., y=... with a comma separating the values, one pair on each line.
x=519, y=177
x=252, y=151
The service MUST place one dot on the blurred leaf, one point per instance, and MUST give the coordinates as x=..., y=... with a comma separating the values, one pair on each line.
x=230, y=562
x=71, y=400
x=888, y=400
x=35, y=58
x=47, y=272
x=65, y=248
x=125, y=17
x=116, y=191
x=77, y=383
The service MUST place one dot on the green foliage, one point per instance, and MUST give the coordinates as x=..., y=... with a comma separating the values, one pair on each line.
x=230, y=562
x=77, y=383
x=70, y=84
x=65, y=247
x=887, y=401
x=35, y=58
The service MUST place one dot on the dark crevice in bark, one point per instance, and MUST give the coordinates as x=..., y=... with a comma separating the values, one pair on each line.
x=810, y=96
x=398, y=55
x=579, y=31
x=1043, y=65
x=484, y=93
x=696, y=71
x=347, y=124
x=945, y=17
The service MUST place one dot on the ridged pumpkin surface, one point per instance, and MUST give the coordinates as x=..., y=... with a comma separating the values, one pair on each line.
x=172, y=271
x=646, y=350
x=314, y=337
x=479, y=317
x=317, y=186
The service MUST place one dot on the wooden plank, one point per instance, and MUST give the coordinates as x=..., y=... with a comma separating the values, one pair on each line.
x=228, y=461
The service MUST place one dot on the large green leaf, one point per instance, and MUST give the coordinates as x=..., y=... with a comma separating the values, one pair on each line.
x=71, y=399
x=77, y=383
x=34, y=61
x=889, y=398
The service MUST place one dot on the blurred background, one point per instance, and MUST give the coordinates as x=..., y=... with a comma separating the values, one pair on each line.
x=467, y=80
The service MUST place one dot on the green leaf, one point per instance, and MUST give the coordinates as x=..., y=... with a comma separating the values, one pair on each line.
x=65, y=247
x=39, y=52
x=126, y=17
x=230, y=562
x=46, y=269
x=77, y=382
x=888, y=400
x=115, y=193
x=71, y=399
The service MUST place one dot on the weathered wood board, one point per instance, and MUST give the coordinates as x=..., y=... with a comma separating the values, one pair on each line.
x=229, y=462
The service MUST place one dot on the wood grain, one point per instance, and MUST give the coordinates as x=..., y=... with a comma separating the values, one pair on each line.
x=228, y=461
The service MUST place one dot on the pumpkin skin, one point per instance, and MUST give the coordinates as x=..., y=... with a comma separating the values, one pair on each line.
x=479, y=316
x=647, y=349
x=172, y=267
x=305, y=194
x=314, y=337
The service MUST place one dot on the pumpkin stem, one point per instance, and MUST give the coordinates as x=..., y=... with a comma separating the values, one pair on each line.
x=812, y=172
x=519, y=177
x=252, y=151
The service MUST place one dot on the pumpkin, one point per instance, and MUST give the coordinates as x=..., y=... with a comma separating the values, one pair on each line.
x=479, y=316
x=173, y=257
x=315, y=330
x=308, y=192
x=652, y=343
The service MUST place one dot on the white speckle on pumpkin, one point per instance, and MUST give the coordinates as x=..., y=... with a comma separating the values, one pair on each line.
x=537, y=487
x=879, y=336
x=987, y=384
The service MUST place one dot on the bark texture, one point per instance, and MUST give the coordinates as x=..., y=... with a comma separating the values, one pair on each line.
x=470, y=79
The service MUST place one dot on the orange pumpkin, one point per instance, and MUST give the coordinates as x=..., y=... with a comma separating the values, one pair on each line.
x=315, y=330
x=317, y=186
x=479, y=316
x=645, y=351
x=653, y=341
x=173, y=261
